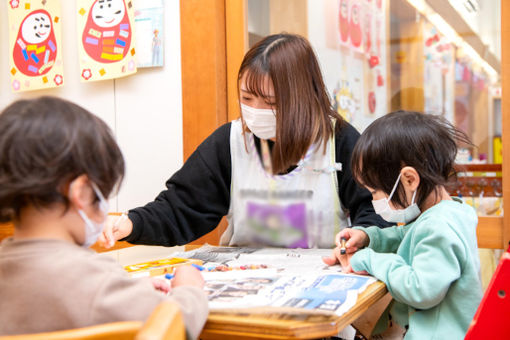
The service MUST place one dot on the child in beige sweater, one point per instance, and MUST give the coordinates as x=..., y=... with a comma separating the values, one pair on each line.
x=59, y=164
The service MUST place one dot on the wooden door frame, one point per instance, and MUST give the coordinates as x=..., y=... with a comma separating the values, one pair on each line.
x=203, y=64
x=213, y=43
x=212, y=47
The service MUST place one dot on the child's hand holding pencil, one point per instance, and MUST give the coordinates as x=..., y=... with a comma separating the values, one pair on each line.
x=348, y=241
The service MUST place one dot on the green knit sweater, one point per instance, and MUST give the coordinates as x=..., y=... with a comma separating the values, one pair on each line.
x=431, y=268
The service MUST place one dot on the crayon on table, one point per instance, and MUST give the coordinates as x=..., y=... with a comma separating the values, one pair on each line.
x=198, y=266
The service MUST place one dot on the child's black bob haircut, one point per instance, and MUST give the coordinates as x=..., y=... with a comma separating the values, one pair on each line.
x=47, y=142
x=426, y=142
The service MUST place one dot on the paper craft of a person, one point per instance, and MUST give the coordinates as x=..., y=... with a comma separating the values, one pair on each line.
x=355, y=26
x=107, y=34
x=156, y=47
x=344, y=20
x=35, y=49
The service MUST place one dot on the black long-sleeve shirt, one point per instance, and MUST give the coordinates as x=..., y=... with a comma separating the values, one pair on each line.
x=198, y=195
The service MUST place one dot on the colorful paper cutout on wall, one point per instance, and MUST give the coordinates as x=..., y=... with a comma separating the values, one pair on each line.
x=439, y=73
x=149, y=32
x=350, y=20
x=106, y=36
x=344, y=102
x=360, y=94
x=34, y=44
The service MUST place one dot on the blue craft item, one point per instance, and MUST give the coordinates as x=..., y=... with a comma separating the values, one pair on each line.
x=34, y=57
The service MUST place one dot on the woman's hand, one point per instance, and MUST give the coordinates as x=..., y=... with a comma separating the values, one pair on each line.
x=115, y=228
x=355, y=239
x=187, y=276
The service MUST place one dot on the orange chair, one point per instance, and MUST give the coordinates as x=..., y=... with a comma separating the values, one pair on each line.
x=165, y=323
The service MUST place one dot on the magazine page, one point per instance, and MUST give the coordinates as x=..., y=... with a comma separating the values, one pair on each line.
x=285, y=260
x=272, y=279
x=215, y=255
x=317, y=292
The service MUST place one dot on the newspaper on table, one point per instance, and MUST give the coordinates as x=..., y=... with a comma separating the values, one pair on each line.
x=294, y=280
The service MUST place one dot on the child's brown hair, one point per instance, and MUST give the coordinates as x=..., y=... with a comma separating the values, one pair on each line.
x=47, y=142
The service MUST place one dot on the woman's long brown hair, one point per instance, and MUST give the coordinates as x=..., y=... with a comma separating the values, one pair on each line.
x=304, y=115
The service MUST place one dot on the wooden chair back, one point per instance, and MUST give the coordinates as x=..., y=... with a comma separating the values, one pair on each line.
x=164, y=323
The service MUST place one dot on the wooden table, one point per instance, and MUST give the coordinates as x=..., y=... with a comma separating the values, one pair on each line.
x=221, y=326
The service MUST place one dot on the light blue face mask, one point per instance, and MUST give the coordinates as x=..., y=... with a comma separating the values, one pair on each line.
x=382, y=207
x=93, y=229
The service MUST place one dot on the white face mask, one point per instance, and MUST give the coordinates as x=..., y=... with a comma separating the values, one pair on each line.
x=93, y=229
x=262, y=122
x=382, y=207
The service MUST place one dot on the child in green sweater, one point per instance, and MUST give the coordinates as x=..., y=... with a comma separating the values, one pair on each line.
x=430, y=264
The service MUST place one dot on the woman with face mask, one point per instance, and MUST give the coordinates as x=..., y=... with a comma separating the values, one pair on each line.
x=281, y=173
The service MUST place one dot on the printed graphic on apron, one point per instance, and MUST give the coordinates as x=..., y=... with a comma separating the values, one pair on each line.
x=299, y=209
x=278, y=225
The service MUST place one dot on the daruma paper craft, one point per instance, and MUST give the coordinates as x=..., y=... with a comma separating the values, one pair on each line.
x=35, y=52
x=106, y=39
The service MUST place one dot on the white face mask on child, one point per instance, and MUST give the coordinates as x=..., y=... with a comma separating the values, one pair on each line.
x=262, y=122
x=382, y=207
x=93, y=229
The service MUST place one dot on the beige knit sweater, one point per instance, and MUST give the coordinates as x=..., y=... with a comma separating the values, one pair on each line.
x=49, y=285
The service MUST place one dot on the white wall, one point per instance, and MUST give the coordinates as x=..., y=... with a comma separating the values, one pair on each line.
x=144, y=110
x=322, y=31
x=489, y=22
x=258, y=17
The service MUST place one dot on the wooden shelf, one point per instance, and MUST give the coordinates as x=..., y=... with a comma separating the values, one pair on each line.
x=478, y=167
x=489, y=232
